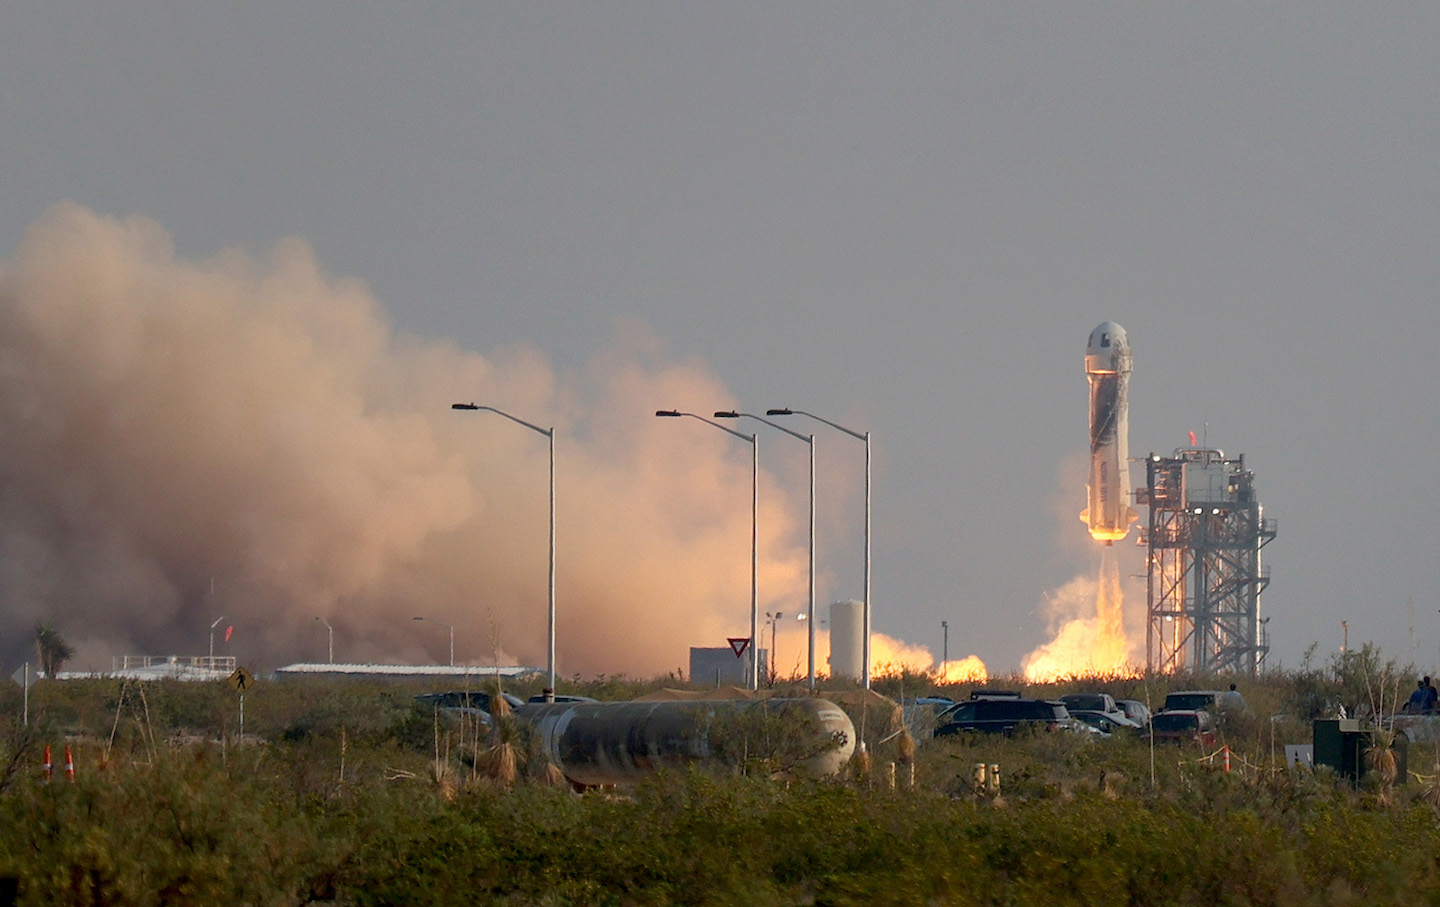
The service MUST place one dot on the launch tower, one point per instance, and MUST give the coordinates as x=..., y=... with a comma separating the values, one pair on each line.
x=1204, y=578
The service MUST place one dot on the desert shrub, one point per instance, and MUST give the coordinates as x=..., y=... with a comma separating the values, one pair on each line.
x=336, y=798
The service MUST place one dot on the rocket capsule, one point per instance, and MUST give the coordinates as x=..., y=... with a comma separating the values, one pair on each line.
x=1107, y=366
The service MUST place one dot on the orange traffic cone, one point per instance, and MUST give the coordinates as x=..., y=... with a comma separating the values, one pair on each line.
x=69, y=766
x=47, y=764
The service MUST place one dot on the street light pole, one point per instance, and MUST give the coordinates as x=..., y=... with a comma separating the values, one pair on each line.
x=754, y=534
x=810, y=440
x=865, y=436
x=945, y=651
x=211, y=665
x=331, y=631
x=452, y=638
x=774, y=619
x=549, y=433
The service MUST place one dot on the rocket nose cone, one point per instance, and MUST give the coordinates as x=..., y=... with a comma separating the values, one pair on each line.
x=1107, y=350
x=1105, y=338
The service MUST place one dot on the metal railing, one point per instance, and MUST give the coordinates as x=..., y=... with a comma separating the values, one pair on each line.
x=177, y=663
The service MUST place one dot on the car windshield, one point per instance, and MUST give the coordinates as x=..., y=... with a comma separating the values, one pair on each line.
x=1189, y=701
x=1172, y=722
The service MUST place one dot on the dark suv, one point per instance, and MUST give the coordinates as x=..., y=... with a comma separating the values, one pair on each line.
x=1002, y=716
x=1191, y=701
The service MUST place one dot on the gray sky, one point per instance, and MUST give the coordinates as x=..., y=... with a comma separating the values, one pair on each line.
x=905, y=218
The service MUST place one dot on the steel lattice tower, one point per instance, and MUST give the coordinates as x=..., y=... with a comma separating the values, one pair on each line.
x=1204, y=576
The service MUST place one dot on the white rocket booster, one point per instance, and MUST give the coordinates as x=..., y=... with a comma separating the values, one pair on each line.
x=1107, y=366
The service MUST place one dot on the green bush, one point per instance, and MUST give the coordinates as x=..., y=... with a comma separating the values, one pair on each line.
x=336, y=795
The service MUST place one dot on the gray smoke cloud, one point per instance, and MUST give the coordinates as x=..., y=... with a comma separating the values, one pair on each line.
x=181, y=440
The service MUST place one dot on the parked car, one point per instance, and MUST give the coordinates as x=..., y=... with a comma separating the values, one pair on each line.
x=1094, y=702
x=1106, y=722
x=994, y=694
x=935, y=704
x=1003, y=716
x=465, y=705
x=1187, y=700
x=561, y=697
x=1135, y=710
x=465, y=699
x=1183, y=726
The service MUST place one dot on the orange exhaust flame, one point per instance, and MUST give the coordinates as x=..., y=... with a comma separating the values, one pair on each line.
x=968, y=670
x=889, y=656
x=1090, y=642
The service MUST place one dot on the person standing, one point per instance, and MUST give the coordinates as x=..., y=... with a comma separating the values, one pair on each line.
x=1419, y=696
x=1232, y=701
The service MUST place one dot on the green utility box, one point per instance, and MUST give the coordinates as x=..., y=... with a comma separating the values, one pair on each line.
x=1341, y=744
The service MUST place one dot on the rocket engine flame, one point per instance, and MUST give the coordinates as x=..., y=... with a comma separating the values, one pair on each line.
x=1086, y=644
x=891, y=656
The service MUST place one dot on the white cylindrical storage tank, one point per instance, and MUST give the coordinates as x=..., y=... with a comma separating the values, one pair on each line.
x=847, y=640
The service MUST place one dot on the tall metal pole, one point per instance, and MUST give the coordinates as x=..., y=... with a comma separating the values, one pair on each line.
x=331, y=631
x=810, y=440
x=754, y=535
x=755, y=562
x=865, y=436
x=550, y=650
x=550, y=633
x=945, y=651
x=810, y=613
x=210, y=666
x=867, y=560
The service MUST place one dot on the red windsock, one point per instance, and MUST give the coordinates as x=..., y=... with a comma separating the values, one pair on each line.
x=69, y=765
x=47, y=762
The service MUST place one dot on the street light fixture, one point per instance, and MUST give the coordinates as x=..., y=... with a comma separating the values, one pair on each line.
x=865, y=436
x=774, y=646
x=452, y=638
x=331, y=631
x=754, y=533
x=774, y=619
x=810, y=440
x=211, y=665
x=549, y=433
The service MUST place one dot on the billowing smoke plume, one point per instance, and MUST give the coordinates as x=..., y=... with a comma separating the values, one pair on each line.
x=184, y=440
x=1088, y=628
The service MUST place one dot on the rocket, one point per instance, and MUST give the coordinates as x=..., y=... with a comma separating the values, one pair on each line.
x=1107, y=367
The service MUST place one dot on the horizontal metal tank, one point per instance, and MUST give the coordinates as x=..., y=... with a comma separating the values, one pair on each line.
x=596, y=743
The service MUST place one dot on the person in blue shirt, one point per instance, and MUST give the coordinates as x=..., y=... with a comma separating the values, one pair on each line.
x=1419, y=698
